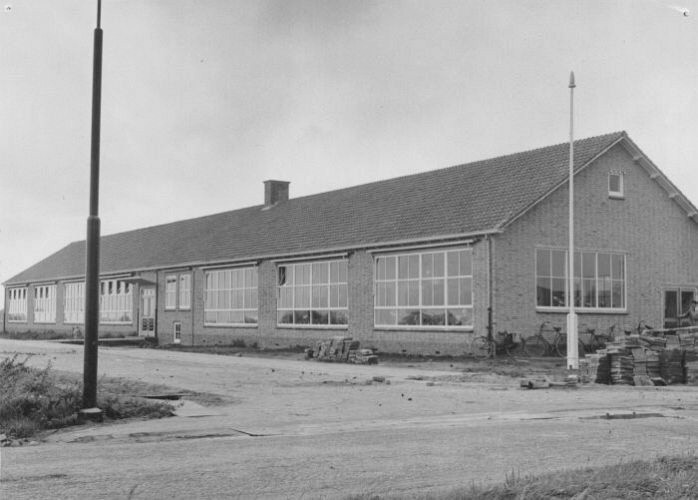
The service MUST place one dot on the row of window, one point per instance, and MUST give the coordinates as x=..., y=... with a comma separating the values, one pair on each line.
x=425, y=289
x=115, y=303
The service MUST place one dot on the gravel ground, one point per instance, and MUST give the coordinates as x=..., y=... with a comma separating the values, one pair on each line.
x=294, y=428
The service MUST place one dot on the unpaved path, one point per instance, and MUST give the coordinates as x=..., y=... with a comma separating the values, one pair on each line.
x=297, y=428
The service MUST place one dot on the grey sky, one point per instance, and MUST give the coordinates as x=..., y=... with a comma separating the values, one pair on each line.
x=203, y=100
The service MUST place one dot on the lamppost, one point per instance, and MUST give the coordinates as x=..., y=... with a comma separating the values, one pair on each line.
x=89, y=396
x=572, y=350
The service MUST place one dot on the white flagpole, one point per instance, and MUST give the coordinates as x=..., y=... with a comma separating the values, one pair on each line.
x=572, y=334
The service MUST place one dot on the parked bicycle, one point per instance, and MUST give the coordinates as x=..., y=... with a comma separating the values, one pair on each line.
x=590, y=341
x=549, y=341
x=486, y=346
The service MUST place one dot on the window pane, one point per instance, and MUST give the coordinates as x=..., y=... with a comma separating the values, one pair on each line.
x=403, y=267
x=301, y=317
x=427, y=265
x=460, y=317
x=408, y=316
x=686, y=299
x=439, y=299
x=285, y=317
x=614, y=183
x=414, y=266
x=604, y=290
x=558, y=263
x=589, y=293
x=604, y=262
x=320, y=272
x=427, y=293
x=543, y=262
x=338, y=318
x=453, y=292
x=558, y=297
x=466, y=291
x=390, y=263
x=589, y=265
x=433, y=317
x=439, y=270
x=386, y=317
x=617, y=299
x=453, y=263
x=618, y=267
x=543, y=292
x=319, y=317
x=466, y=262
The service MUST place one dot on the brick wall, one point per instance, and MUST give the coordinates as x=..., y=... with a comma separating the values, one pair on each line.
x=656, y=235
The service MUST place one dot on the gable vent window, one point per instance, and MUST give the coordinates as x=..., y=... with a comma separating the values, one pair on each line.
x=615, y=185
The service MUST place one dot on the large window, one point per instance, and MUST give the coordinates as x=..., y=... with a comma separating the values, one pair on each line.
x=17, y=305
x=45, y=304
x=74, y=303
x=178, y=291
x=116, y=302
x=313, y=293
x=599, y=279
x=230, y=296
x=425, y=289
x=171, y=291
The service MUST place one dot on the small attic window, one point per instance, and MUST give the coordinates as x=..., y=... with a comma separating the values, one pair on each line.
x=615, y=185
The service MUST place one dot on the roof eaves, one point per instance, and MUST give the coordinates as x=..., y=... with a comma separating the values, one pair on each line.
x=661, y=179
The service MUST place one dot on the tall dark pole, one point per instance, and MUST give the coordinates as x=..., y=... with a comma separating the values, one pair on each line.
x=89, y=395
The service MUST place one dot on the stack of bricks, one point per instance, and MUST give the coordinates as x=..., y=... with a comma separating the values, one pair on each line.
x=595, y=368
x=691, y=372
x=671, y=366
x=341, y=349
x=622, y=369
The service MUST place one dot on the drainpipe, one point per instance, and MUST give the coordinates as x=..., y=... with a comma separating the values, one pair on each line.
x=490, y=324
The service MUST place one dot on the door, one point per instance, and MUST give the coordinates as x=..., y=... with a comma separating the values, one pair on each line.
x=677, y=301
x=146, y=324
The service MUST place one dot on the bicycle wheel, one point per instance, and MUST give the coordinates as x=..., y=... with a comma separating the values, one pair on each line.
x=561, y=347
x=482, y=347
x=535, y=346
x=516, y=348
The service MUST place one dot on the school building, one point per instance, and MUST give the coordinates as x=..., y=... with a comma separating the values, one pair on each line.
x=416, y=264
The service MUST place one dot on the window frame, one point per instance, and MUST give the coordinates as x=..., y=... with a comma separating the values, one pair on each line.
x=74, y=295
x=579, y=279
x=171, y=292
x=45, y=304
x=115, y=298
x=318, y=289
x=244, y=290
x=17, y=305
x=467, y=308
x=620, y=193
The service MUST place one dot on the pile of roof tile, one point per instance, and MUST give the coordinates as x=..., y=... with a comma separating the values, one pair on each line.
x=655, y=357
x=341, y=349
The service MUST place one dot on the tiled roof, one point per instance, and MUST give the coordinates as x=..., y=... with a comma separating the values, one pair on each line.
x=464, y=199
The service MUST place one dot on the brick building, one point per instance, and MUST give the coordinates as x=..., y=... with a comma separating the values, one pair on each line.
x=415, y=264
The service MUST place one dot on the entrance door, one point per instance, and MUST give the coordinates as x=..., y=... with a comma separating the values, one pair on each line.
x=148, y=308
x=677, y=301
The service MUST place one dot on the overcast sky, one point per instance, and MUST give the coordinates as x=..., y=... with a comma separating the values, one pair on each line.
x=205, y=99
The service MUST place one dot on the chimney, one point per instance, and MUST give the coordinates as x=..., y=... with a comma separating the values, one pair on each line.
x=275, y=192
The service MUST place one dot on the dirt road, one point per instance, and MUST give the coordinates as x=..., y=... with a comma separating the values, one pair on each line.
x=296, y=428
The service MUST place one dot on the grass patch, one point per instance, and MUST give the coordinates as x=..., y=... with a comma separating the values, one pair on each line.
x=32, y=400
x=663, y=478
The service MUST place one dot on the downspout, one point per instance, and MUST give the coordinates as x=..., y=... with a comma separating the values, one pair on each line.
x=490, y=324
x=193, y=303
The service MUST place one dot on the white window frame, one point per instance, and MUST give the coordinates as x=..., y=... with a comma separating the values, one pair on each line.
x=115, y=302
x=45, y=304
x=580, y=286
x=221, y=287
x=620, y=192
x=17, y=305
x=184, y=294
x=421, y=279
x=74, y=303
x=171, y=281
x=310, y=290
